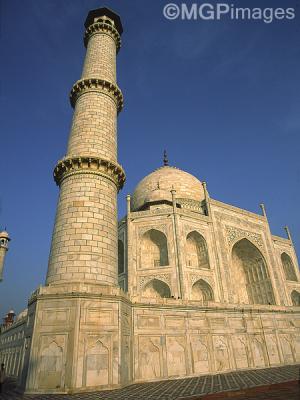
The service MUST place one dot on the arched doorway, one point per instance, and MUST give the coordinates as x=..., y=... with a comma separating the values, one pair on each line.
x=196, y=251
x=154, y=249
x=156, y=289
x=250, y=275
x=202, y=291
x=295, y=298
x=288, y=267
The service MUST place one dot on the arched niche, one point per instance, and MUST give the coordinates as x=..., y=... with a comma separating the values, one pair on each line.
x=250, y=275
x=154, y=249
x=121, y=264
x=196, y=251
x=156, y=289
x=295, y=296
x=202, y=291
x=288, y=267
x=97, y=365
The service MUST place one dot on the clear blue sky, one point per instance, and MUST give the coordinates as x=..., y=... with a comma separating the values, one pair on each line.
x=222, y=96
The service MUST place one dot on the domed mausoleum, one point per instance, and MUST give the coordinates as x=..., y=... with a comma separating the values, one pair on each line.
x=156, y=188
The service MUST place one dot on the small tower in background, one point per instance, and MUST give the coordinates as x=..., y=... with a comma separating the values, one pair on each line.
x=4, y=239
x=8, y=320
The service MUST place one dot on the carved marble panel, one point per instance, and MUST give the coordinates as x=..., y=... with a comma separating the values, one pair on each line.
x=221, y=353
x=143, y=280
x=287, y=348
x=149, y=364
x=97, y=365
x=258, y=351
x=297, y=347
x=176, y=362
x=234, y=234
x=272, y=349
x=51, y=356
x=241, y=351
x=200, y=354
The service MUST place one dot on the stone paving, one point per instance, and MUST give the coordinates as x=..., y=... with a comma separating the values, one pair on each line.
x=190, y=388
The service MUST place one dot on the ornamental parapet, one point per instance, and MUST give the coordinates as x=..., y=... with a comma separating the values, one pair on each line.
x=97, y=85
x=103, y=27
x=69, y=166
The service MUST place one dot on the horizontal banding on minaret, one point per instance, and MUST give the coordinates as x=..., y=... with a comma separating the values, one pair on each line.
x=97, y=85
x=102, y=27
x=89, y=165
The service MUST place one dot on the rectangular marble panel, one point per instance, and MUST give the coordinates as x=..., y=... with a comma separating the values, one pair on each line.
x=99, y=316
x=236, y=323
x=149, y=357
x=272, y=349
x=150, y=322
x=221, y=353
x=55, y=316
x=217, y=323
x=175, y=322
x=198, y=323
x=200, y=354
x=176, y=357
x=240, y=351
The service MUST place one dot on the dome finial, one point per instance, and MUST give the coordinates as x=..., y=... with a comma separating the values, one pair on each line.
x=166, y=161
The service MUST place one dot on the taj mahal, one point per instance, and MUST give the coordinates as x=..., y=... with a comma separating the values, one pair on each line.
x=183, y=285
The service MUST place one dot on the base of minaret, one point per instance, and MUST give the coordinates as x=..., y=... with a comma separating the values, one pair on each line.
x=80, y=339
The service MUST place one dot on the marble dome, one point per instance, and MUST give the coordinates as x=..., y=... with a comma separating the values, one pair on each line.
x=157, y=186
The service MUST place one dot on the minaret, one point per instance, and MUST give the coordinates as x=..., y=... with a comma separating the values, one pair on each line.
x=4, y=239
x=84, y=241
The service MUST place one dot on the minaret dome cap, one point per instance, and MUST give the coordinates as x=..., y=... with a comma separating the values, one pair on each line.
x=4, y=235
x=101, y=12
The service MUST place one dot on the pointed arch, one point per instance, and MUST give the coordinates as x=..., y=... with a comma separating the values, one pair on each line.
x=156, y=289
x=121, y=264
x=250, y=275
x=97, y=365
x=201, y=290
x=288, y=267
x=196, y=251
x=51, y=358
x=295, y=296
x=154, y=249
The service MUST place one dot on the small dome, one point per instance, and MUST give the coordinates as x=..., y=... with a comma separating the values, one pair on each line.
x=157, y=186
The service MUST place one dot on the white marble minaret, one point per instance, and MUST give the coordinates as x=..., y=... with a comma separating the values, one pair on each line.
x=84, y=242
x=78, y=335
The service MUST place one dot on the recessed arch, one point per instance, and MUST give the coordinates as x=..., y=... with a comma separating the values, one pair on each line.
x=288, y=267
x=51, y=358
x=196, y=251
x=250, y=275
x=156, y=289
x=121, y=264
x=201, y=290
x=295, y=296
x=154, y=249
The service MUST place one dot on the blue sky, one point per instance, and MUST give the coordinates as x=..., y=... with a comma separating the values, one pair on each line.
x=223, y=97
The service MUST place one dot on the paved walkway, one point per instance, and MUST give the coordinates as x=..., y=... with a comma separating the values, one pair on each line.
x=231, y=385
